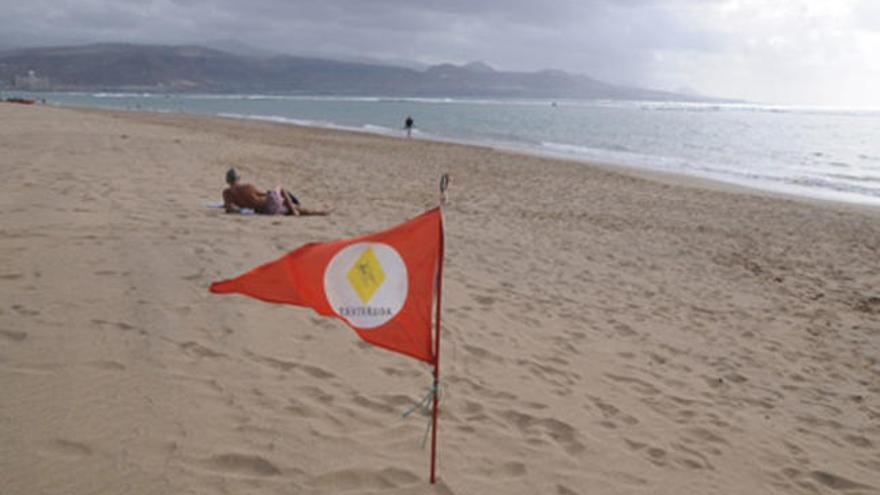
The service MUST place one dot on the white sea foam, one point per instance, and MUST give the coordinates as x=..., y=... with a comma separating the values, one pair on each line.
x=367, y=128
x=124, y=95
x=276, y=118
x=380, y=129
x=754, y=107
x=610, y=154
x=569, y=148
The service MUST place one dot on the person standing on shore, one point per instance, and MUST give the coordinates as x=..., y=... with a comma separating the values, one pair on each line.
x=408, y=125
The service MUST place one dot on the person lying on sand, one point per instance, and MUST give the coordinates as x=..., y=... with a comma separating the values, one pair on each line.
x=276, y=201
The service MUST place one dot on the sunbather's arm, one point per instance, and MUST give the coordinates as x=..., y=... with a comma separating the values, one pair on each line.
x=228, y=204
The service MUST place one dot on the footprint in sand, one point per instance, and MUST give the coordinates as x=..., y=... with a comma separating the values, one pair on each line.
x=194, y=276
x=68, y=448
x=316, y=372
x=198, y=350
x=511, y=469
x=641, y=387
x=108, y=365
x=560, y=432
x=22, y=310
x=318, y=394
x=13, y=335
x=125, y=327
x=484, y=300
x=391, y=371
x=829, y=480
x=359, y=479
x=836, y=482
x=859, y=441
x=375, y=406
x=299, y=408
x=242, y=465
x=481, y=353
x=564, y=490
x=656, y=455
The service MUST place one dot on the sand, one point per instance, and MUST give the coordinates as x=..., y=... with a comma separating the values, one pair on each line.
x=605, y=332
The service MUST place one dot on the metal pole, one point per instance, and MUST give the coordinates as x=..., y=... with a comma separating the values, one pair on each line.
x=444, y=183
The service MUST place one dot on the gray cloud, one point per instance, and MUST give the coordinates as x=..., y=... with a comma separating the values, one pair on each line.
x=661, y=43
x=866, y=15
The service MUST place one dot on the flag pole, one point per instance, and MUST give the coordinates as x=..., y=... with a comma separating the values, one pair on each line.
x=444, y=184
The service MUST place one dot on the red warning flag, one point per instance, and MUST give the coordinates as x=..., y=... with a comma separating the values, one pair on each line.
x=381, y=284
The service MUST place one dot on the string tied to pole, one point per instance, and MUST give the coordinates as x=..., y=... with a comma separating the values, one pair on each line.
x=424, y=406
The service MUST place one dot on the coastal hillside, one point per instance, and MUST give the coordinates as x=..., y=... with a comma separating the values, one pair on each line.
x=196, y=68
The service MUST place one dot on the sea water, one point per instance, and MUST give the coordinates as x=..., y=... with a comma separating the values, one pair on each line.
x=829, y=153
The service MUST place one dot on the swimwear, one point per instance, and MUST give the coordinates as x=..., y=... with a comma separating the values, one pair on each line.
x=274, y=204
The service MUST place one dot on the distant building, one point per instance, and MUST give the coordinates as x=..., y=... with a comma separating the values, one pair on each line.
x=30, y=82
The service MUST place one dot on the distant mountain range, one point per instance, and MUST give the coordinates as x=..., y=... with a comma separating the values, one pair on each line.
x=160, y=68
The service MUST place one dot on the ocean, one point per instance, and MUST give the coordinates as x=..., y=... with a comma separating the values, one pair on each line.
x=818, y=152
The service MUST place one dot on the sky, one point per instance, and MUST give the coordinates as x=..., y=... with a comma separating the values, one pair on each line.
x=799, y=52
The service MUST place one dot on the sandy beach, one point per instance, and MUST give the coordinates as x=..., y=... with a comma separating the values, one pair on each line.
x=605, y=331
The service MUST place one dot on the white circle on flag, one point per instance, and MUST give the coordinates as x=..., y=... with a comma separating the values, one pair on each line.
x=366, y=284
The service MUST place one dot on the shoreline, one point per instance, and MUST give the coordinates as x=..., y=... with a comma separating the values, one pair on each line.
x=634, y=170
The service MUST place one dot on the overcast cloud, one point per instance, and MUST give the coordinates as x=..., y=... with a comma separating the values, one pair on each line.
x=822, y=52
